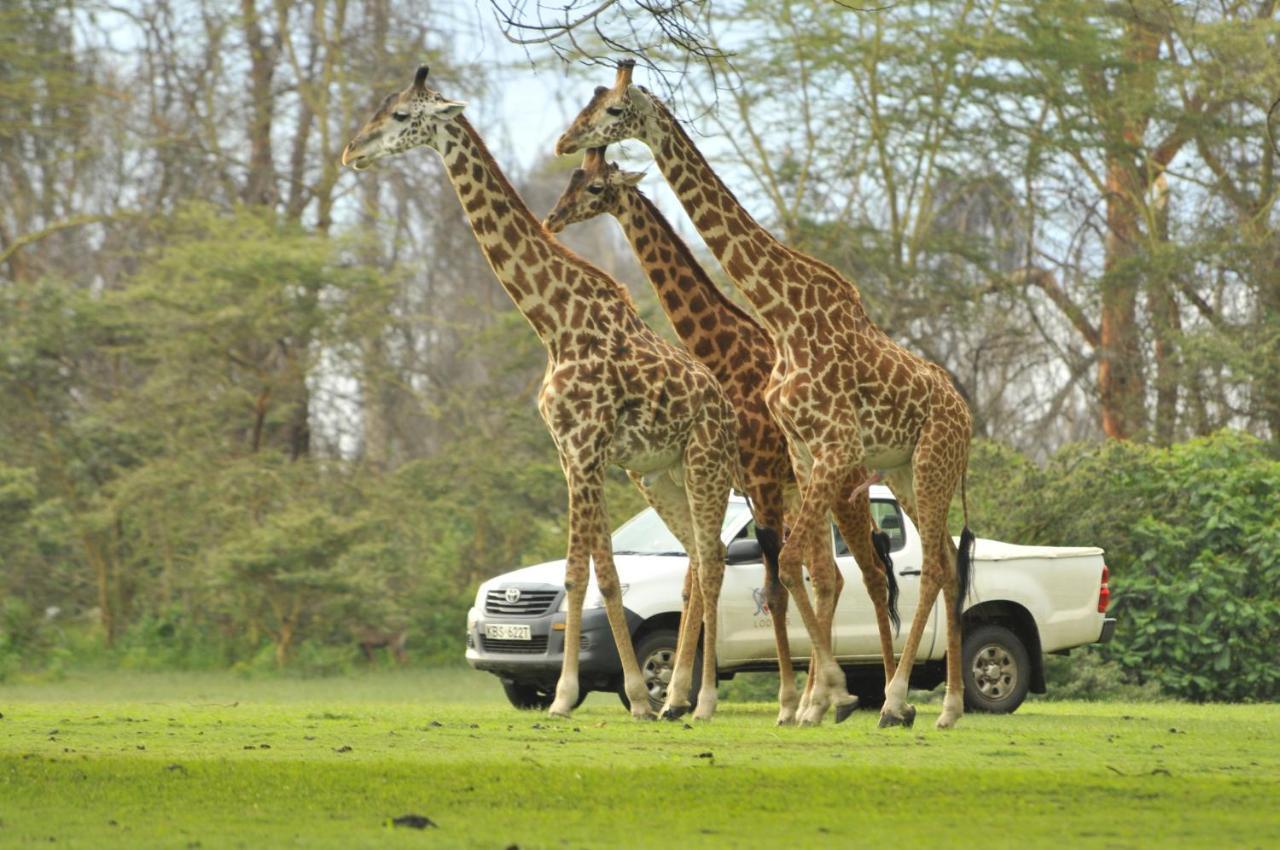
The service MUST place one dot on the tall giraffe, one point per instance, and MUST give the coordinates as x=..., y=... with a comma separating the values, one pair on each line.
x=613, y=392
x=741, y=356
x=846, y=394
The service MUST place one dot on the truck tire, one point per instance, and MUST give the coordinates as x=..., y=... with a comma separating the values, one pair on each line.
x=996, y=668
x=656, y=654
x=534, y=697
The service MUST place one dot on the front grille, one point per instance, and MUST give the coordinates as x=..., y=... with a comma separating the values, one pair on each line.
x=530, y=604
x=536, y=646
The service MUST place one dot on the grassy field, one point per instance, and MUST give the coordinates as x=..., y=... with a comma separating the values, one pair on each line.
x=178, y=761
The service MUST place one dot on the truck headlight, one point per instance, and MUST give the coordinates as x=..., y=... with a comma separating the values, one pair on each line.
x=593, y=599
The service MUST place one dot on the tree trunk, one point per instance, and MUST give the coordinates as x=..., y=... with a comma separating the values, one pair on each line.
x=260, y=184
x=1166, y=324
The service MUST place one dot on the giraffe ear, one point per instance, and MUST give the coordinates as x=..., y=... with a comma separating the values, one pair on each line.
x=631, y=178
x=420, y=79
x=450, y=108
x=625, y=67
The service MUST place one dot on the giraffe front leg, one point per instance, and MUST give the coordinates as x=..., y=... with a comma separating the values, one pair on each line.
x=611, y=592
x=584, y=500
x=575, y=583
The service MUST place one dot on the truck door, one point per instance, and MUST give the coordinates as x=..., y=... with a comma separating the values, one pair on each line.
x=744, y=628
x=857, y=636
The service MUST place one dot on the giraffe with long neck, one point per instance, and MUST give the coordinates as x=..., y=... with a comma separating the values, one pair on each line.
x=740, y=354
x=846, y=394
x=613, y=391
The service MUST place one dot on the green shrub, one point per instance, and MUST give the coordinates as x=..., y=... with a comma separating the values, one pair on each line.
x=1086, y=675
x=1192, y=535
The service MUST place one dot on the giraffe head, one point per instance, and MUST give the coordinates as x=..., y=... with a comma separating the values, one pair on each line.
x=406, y=119
x=594, y=189
x=612, y=115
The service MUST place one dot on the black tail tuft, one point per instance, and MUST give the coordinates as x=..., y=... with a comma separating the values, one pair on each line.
x=964, y=569
x=880, y=540
x=771, y=545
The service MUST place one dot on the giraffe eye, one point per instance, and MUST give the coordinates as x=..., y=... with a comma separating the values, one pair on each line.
x=400, y=116
x=595, y=188
x=613, y=110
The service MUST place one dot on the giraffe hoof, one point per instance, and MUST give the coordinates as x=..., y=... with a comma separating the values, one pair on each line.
x=843, y=711
x=947, y=721
x=674, y=712
x=907, y=719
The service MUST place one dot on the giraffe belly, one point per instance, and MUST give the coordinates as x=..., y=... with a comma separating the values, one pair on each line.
x=886, y=457
x=636, y=449
x=647, y=462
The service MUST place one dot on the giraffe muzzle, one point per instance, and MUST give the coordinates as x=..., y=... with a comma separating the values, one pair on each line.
x=566, y=146
x=352, y=158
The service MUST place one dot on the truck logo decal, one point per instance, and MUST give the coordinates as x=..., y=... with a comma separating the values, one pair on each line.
x=513, y=595
x=762, y=607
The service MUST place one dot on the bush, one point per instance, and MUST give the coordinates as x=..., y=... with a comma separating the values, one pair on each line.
x=1086, y=675
x=1193, y=543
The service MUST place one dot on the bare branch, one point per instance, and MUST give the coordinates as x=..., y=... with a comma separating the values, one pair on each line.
x=601, y=33
x=1045, y=281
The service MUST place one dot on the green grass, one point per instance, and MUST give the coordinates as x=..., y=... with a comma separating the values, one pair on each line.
x=203, y=761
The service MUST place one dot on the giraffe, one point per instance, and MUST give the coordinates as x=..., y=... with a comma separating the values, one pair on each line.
x=741, y=356
x=613, y=390
x=846, y=394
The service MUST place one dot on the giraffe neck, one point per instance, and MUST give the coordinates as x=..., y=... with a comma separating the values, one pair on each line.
x=712, y=327
x=771, y=275
x=553, y=288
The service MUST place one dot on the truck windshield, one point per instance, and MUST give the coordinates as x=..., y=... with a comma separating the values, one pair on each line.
x=646, y=534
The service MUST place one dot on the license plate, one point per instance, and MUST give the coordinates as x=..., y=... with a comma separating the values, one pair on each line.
x=507, y=631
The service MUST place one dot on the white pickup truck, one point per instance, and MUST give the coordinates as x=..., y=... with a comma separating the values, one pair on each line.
x=1024, y=601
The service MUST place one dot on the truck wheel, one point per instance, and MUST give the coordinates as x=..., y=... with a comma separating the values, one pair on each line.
x=533, y=697
x=997, y=670
x=656, y=654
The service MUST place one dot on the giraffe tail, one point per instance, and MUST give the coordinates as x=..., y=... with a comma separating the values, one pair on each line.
x=880, y=540
x=964, y=559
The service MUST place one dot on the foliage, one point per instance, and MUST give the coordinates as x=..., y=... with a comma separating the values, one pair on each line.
x=1193, y=545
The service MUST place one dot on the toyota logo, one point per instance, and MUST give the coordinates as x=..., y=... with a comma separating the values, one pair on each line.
x=513, y=595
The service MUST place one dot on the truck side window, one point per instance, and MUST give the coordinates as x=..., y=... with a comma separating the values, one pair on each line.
x=888, y=516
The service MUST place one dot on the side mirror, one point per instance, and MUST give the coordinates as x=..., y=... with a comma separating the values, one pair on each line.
x=744, y=551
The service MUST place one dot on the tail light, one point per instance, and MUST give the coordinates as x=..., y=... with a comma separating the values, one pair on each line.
x=1104, y=592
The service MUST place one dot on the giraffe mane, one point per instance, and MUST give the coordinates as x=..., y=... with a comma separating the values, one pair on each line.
x=521, y=208
x=685, y=255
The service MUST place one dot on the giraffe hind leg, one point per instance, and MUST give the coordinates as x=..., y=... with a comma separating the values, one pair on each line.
x=668, y=499
x=708, y=478
x=853, y=518
x=768, y=501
